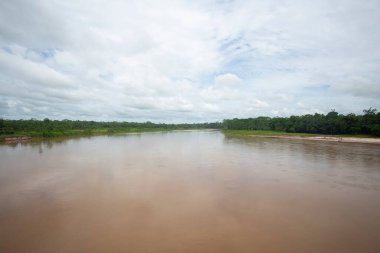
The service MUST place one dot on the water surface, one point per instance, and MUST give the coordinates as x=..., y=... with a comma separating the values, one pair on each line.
x=195, y=191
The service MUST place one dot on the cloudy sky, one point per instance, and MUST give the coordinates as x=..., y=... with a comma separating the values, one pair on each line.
x=187, y=61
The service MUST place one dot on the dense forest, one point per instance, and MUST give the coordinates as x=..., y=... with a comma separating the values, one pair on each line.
x=331, y=123
x=48, y=128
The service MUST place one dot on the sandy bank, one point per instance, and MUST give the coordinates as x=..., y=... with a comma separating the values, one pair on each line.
x=325, y=138
x=17, y=139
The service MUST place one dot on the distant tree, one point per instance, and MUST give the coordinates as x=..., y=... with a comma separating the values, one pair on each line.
x=370, y=111
x=332, y=123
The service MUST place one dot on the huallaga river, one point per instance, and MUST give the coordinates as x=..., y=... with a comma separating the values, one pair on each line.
x=189, y=191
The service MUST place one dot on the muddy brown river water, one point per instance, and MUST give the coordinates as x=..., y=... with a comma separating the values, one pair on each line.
x=195, y=191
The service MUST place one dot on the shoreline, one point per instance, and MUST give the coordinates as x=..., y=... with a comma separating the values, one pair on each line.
x=323, y=138
x=31, y=138
x=342, y=139
x=366, y=139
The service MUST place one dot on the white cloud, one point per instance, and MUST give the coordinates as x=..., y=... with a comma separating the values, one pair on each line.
x=187, y=60
x=18, y=68
x=254, y=104
x=228, y=80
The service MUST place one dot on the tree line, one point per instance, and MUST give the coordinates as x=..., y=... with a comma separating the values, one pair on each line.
x=331, y=123
x=47, y=126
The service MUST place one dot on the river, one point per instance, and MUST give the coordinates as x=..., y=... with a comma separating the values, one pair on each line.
x=189, y=191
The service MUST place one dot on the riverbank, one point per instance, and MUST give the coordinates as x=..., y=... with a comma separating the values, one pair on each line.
x=303, y=136
x=27, y=136
x=33, y=136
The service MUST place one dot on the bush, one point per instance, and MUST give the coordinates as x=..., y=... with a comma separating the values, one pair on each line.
x=7, y=130
x=375, y=129
x=47, y=134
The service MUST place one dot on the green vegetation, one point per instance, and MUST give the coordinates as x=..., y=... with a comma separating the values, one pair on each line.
x=54, y=128
x=333, y=123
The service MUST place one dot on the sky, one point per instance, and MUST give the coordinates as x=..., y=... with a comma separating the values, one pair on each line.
x=187, y=61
